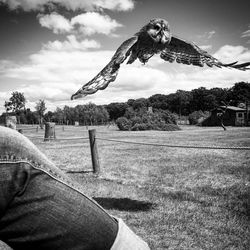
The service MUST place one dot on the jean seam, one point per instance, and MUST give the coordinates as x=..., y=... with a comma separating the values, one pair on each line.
x=11, y=159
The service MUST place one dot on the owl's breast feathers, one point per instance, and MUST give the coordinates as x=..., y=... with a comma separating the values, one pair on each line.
x=144, y=49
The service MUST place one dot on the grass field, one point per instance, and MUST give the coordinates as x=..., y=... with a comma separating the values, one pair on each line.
x=175, y=198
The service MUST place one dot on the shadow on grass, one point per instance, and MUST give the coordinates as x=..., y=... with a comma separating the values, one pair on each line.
x=124, y=204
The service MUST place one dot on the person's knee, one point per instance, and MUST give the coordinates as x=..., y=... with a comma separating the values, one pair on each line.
x=4, y=246
x=14, y=144
x=126, y=239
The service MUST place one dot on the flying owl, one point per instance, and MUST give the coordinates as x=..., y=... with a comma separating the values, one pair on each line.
x=154, y=38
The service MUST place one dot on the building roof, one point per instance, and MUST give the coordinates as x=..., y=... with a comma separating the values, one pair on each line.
x=233, y=108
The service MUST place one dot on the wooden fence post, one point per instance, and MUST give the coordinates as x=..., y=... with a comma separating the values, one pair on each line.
x=49, y=131
x=94, y=152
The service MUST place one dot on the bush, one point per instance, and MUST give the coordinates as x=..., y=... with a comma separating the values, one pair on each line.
x=136, y=120
x=142, y=120
x=197, y=117
x=123, y=123
x=139, y=127
x=170, y=127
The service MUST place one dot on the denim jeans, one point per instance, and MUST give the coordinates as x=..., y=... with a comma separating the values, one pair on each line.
x=41, y=208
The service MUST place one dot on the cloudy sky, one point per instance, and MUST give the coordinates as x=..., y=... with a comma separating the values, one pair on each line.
x=49, y=48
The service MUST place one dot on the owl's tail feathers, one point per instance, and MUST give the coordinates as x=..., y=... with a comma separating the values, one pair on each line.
x=242, y=66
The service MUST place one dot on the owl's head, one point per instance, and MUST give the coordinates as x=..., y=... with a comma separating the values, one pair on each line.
x=158, y=30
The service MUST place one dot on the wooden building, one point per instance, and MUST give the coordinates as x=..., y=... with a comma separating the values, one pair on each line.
x=233, y=116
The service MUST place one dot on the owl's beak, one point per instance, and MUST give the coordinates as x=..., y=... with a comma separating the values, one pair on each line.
x=165, y=37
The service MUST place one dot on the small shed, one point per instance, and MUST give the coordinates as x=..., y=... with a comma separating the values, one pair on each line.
x=233, y=116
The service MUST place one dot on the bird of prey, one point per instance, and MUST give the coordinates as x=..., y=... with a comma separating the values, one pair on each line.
x=153, y=38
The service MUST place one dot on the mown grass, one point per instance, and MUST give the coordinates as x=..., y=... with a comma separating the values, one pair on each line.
x=175, y=198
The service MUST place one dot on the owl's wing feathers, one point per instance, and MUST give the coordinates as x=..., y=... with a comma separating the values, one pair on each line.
x=109, y=72
x=185, y=52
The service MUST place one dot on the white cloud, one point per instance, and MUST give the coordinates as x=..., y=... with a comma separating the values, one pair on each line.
x=210, y=34
x=246, y=33
x=206, y=47
x=31, y=5
x=229, y=53
x=207, y=35
x=88, y=23
x=55, y=22
x=92, y=22
x=72, y=44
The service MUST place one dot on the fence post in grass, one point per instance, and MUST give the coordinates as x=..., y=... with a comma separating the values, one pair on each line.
x=49, y=131
x=94, y=152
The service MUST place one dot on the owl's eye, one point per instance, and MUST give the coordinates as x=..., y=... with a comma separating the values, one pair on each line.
x=157, y=27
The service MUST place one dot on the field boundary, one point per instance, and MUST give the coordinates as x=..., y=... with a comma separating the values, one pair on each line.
x=173, y=145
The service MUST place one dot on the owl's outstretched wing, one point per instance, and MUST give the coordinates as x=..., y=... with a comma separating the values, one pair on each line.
x=185, y=52
x=109, y=72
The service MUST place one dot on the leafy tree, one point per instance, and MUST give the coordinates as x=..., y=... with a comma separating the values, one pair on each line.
x=49, y=116
x=69, y=114
x=179, y=102
x=102, y=115
x=31, y=117
x=116, y=109
x=140, y=103
x=159, y=101
x=221, y=95
x=59, y=115
x=198, y=101
x=130, y=102
x=209, y=102
x=15, y=104
x=40, y=108
x=240, y=92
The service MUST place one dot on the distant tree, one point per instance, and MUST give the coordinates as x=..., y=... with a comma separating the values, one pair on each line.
x=116, y=109
x=69, y=114
x=141, y=103
x=240, y=92
x=210, y=102
x=59, y=115
x=159, y=101
x=15, y=104
x=40, y=108
x=49, y=116
x=130, y=102
x=198, y=101
x=23, y=118
x=32, y=117
x=221, y=95
x=102, y=115
x=179, y=102
x=89, y=113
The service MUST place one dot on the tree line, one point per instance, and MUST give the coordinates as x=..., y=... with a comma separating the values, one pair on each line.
x=180, y=103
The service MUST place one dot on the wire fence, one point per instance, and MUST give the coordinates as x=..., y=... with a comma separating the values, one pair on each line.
x=212, y=147
x=93, y=138
x=173, y=145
